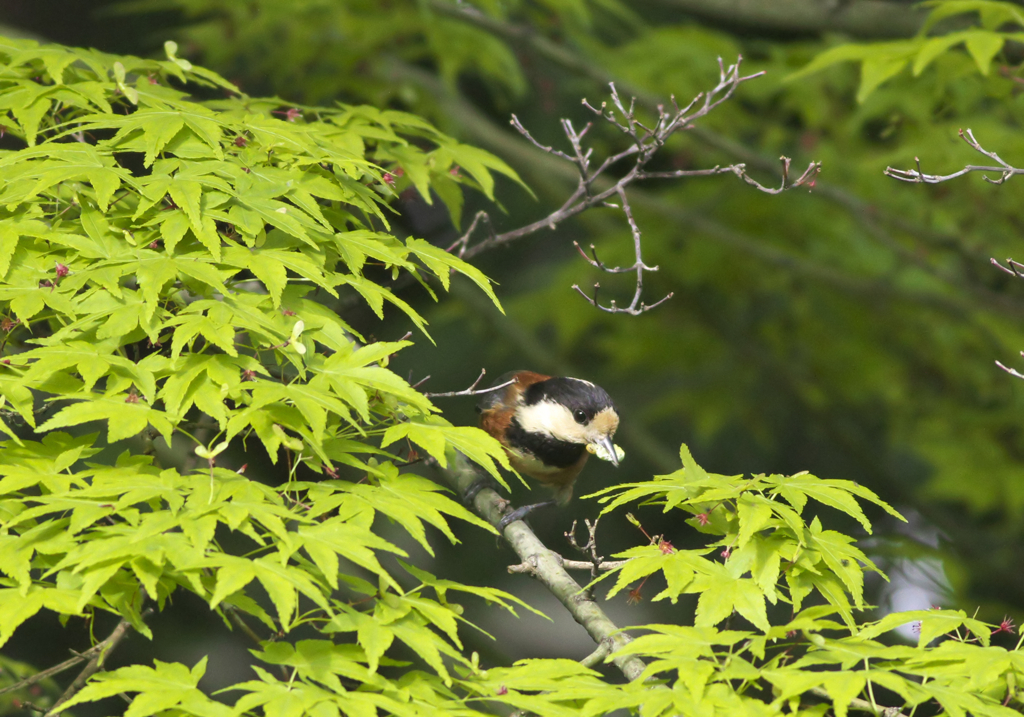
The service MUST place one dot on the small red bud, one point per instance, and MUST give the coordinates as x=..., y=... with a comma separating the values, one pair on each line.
x=1006, y=626
x=132, y=398
x=241, y=141
x=389, y=179
x=62, y=270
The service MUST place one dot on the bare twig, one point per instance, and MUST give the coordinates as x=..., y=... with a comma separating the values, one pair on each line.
x=463, y=241
x=596, y=657
x=916, y=176
x=472, y=390
x=635, y=307
x=1013, y=372
x=1015, y=267
x=589, y=548
x=604, y=566
x=79, y=658
x=645, y=141
x=98, y=657
x=25, y=704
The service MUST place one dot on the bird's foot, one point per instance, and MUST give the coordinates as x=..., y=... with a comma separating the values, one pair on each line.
x=520, y=513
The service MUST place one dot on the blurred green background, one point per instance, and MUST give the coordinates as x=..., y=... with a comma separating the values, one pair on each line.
x=849, y=330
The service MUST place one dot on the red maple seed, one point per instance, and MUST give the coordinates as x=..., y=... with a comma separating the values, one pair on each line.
x=703, y=518
x=666, y=547
x=1006, y=626
x=248, y=374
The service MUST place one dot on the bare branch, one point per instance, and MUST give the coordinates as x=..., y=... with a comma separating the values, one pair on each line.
x=526, y=133
x=916, y=176
x=1015, y=267
x=596, y=657
x=472, y=390
x=1012, y=372
x=605, y=565
x=98, y=657
x=589, y=549
x=646, y=140
x=545, y=566
x=598, y=264
x=636, y=307
x=80, y=657
x=463, y=240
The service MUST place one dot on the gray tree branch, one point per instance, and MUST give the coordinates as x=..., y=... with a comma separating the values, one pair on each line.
x=545, y=565
x=867, y=19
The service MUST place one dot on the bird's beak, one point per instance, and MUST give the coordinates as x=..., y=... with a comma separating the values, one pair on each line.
x=606, y=443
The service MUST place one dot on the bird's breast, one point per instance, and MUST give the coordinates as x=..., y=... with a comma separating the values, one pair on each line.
x=548, y=452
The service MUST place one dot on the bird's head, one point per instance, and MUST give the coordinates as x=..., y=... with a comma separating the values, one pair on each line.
x=571, y=410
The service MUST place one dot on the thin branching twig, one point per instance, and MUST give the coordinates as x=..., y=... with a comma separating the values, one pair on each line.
x=472, y=390
x=646, y=139
x=916, y=176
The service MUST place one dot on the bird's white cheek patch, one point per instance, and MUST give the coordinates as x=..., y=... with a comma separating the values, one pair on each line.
x=552, y=419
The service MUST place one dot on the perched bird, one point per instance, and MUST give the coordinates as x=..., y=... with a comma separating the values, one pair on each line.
x=549, y=426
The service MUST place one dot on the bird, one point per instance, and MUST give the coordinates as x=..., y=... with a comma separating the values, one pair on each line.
x=549, y=426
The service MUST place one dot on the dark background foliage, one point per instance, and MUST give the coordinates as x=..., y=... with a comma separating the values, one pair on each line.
x=850, y=330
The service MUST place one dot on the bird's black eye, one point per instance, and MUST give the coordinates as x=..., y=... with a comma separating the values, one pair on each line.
x=580, y=415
